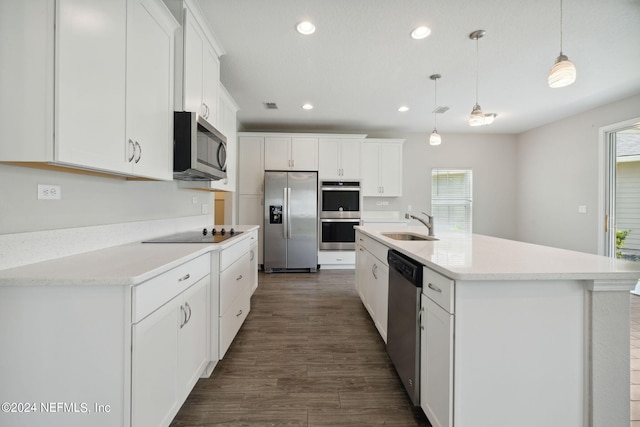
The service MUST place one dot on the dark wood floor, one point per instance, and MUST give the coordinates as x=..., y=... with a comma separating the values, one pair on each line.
x=307, y=355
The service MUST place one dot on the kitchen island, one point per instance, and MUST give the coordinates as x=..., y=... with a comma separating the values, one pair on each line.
x=512, y=333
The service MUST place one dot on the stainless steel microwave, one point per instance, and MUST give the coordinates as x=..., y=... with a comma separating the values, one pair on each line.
x=199, y=149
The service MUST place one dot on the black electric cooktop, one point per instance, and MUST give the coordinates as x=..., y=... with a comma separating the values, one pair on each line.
x=204, y=236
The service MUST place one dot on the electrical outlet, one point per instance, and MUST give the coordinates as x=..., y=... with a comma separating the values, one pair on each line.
x=409, y=208
x=385, y=203
x=49, y=192
x=582, y=209
x=194, y=200
x=378, y=203
x=205, y=208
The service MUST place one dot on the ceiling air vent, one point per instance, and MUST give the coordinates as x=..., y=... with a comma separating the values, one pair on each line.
x=440, y=110
x=270, y=105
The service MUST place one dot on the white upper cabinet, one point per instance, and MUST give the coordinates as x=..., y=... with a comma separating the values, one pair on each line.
x=149, y=89
x=291, y=153
x=339, y=158
x=90, y=85
x=381, y=163
x=197, y=65
x=111, y=114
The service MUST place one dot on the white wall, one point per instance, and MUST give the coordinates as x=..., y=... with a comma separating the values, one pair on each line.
x=558, y=170
x=492, y=159
x=88, y=200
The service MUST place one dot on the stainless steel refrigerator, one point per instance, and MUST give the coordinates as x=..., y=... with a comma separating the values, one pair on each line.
x=290, y=221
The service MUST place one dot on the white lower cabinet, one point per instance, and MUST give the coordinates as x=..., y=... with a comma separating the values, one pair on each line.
x=154, y=399
x=436, y=363
x=170, y=350
x=372, y=280
x=238, y=270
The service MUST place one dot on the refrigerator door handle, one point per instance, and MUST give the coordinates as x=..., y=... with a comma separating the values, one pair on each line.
x=288, y=212
x=285, y=212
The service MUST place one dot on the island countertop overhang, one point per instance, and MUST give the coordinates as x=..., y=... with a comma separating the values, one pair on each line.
x=479, y=257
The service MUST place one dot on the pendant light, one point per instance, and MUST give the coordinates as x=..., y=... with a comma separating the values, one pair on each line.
x=477, y=116
x=435, y=138
x=563, y=72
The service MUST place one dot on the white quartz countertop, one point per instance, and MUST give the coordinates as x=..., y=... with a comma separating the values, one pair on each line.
x=122, y=265
x=478, y=257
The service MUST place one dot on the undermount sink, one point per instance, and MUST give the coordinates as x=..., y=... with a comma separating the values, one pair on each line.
x=407, y=236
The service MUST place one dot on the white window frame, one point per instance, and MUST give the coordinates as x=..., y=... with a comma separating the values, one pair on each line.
x=448, y=196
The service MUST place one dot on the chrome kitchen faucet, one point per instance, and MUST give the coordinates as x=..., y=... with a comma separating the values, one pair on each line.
x=428, y=224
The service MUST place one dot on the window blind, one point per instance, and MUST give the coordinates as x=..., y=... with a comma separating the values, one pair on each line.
x=451, y=199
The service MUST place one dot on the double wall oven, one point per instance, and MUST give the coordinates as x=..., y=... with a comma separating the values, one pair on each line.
x=339, y=213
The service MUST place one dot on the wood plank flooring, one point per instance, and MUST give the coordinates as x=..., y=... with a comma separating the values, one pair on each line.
x=307, y=355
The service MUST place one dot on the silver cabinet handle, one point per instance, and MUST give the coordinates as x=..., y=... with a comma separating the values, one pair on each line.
x=239, y=277
x=184, y=317
x=186, y=304
x=420, y=318
x=374, y=269
x=361, y=250
x=293, y=163
x=434, y=287
x=132, y=147
x=252, y=255
x=183, y=278
x=139, y=151
x=239, y=313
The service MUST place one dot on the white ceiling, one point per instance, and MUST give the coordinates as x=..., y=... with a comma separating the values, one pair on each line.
x=361, y=64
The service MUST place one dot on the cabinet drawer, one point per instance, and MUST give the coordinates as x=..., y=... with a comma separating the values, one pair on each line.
x=153, y=293
x=234, y=281
x=231, y=321
x=438, y=288
x=376, y=248
x=231, y=254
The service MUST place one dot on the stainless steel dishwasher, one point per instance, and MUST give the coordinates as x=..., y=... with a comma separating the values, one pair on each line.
x=403, y=323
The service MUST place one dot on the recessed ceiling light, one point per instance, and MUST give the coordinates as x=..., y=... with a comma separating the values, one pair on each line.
x=403, y=109
x=307, y=107
x=420, y=33
x=306, y=28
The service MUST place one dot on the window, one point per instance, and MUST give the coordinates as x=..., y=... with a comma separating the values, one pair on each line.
x=451, y=199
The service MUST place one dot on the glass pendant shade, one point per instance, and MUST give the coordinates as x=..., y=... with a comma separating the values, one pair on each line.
x=435, y=138
x=477, y=116
x=563, y=72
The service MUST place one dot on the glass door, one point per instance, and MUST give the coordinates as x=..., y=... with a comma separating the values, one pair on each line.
x=622, y=218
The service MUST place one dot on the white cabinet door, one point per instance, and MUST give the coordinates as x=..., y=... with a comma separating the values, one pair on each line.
x=149, y=89
x=381, y=299
x=329, y=158
x=193, y=64
x=391, y=169
x=436, y=364
x=154, y=388
x=250, y=166
x=90, y=86
x=210, y=84
x=350, y=158
x=193, y=336
x=370, y=162
x=361, y=273
x=381, y=169
x=250, y=211
x=304, y=154
x=253, y=265
x=285, y=153
x=277, y=153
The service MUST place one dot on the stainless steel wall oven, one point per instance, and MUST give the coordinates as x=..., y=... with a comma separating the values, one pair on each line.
x=339, y=213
